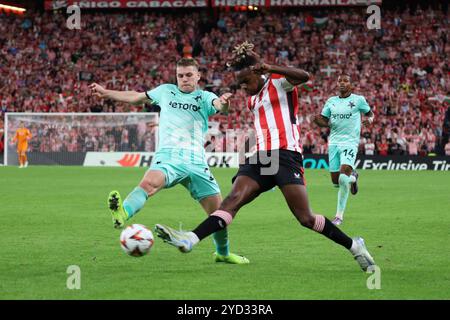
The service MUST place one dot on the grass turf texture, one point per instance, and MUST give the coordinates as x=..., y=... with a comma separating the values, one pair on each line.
x=54, y=217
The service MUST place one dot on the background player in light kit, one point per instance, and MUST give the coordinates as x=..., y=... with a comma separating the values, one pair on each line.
x=342, y=114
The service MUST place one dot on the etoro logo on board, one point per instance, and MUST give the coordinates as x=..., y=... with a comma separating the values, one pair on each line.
x=129, y=160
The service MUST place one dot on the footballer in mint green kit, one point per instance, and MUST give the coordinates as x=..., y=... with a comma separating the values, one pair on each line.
x=180, y=158
x=183, y=124
x=342, y=114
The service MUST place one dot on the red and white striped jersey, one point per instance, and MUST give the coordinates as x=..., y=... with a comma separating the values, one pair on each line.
x=275, y=109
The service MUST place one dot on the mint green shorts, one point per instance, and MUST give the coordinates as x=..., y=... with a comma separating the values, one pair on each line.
x=339, y=155
x=193, y=175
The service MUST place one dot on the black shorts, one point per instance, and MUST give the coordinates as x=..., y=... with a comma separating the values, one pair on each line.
x=264, y=168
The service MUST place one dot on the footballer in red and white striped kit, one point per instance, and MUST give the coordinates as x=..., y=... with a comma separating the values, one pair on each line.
x=274, y=103
x=275, y=108
x=278, y=161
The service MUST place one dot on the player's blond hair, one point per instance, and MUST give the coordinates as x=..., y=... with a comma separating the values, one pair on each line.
x=187, y=62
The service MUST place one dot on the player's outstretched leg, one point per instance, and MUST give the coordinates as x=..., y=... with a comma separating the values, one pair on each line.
x=152, y=182
x=135, y=201
x=244, y=191
x=186, y=240
x=297, y=199
x=122, y=211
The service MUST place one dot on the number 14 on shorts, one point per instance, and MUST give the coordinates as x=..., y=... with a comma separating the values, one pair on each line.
x=349, y=153
x=339, y=155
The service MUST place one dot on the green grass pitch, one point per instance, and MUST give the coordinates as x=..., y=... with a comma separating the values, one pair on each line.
x=54, y=217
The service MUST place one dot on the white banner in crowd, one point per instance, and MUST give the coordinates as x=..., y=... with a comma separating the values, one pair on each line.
x=144, y=159
x=231, y=160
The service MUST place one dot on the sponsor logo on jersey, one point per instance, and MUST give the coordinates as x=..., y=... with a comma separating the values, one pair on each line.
x=341, y=116
x=184, y=106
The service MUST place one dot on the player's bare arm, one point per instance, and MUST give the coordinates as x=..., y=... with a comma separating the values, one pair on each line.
x=321, y=120
x=223, y=103
x=295, y=76
x=132, y=97
x=369, y=116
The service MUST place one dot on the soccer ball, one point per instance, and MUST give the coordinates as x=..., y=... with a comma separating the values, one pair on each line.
x=136, y=240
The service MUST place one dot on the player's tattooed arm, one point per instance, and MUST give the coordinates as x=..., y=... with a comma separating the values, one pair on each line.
x=223, y=103
x=132, y=97
x=369, y=118
x=321, y=120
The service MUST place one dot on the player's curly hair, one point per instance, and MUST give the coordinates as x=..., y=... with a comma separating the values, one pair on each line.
x=240, y=57
x=346, y=74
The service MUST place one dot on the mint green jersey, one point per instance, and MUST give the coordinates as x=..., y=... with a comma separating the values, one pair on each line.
x=345, y=119
x=183, y=119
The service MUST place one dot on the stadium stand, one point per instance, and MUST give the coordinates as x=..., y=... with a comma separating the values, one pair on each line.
x=401, y=69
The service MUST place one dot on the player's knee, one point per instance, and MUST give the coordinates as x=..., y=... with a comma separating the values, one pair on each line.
x=307, y=220
x=150, y=186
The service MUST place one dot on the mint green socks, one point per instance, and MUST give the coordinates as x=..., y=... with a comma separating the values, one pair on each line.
x=221, y=241
x=344, y=189
x=135, y=201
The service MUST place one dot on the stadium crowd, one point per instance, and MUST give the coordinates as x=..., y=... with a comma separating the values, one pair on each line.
x=104, y=133
x=401, y=69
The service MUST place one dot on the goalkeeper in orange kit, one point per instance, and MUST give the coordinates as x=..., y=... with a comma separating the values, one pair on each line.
x=22, y=136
